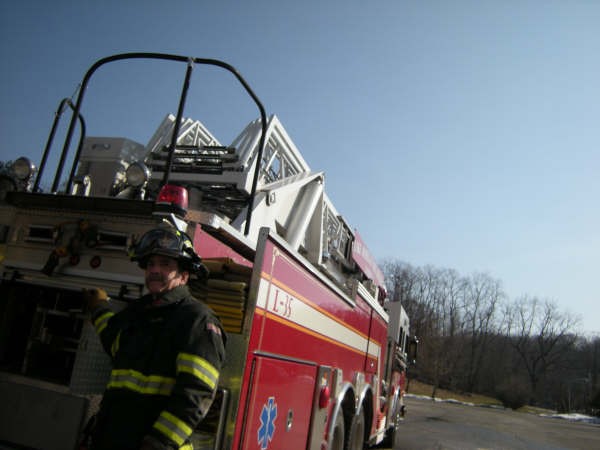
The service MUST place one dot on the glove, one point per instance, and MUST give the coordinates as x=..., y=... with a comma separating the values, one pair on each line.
x=93, y=298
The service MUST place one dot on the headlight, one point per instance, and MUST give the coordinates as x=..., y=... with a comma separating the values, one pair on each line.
x=23, y=168
x=137, y=174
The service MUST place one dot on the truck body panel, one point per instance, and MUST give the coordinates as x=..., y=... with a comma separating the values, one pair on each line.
x=301, y=298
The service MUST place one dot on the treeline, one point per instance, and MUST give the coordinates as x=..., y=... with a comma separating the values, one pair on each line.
x=474, y=339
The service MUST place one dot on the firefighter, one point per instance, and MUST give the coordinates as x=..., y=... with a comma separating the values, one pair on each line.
x=167, y=349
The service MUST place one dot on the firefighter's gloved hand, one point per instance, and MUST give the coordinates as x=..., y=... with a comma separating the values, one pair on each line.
x=93, y=298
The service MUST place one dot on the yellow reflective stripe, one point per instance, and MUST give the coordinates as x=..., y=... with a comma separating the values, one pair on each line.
x=187, y=446
x=114, y=348
x=198, y=367
x=101, y=322
x=173, y=428
x=138, y=382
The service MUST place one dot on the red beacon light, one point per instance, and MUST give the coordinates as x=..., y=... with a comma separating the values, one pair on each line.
x=174, y=196
x=324, y=397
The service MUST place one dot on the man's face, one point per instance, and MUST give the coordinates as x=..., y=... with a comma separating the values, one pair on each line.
x=162, y=274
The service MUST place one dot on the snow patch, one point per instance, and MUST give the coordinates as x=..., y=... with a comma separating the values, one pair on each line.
x=573, y=417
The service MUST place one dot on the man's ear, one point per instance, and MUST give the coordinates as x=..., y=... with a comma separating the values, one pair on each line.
x=185, y=276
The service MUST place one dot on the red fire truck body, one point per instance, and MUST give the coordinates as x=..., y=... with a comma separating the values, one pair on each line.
x=303, y=324
x=314, y=361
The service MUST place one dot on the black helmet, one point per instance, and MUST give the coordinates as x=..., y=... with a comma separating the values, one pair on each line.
x=167, y=242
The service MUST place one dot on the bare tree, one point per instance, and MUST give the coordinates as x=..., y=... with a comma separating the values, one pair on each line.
x=472, y=337
x=480, y=304
x=541, y=335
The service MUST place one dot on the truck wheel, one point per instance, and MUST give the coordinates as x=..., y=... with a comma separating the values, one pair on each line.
x=337, y=434
x=390, y=433
x=356, y=433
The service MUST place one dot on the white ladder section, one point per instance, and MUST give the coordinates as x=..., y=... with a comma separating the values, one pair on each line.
x=290, y=198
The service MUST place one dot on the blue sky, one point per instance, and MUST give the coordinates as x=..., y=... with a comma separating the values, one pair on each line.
x=461, y=134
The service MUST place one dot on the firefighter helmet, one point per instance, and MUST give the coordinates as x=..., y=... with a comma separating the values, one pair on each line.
x=167, y=242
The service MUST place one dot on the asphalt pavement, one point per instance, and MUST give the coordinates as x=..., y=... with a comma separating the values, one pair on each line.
x=433, y=425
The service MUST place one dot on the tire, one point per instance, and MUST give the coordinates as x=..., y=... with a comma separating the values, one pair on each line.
x=391, y=432
x=355, y=439
x=338, y=433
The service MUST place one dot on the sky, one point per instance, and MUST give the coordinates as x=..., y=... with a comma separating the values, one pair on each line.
x=457, y=134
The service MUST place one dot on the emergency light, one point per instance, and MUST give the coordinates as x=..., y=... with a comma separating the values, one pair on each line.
x=173, y=195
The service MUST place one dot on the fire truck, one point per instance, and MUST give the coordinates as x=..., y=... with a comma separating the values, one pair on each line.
x=316, y=357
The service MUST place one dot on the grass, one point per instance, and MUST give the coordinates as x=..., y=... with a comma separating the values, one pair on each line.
x=417, y=388
x=535, y=410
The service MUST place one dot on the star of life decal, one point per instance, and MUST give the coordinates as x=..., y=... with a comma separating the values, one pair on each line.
x=267, y=423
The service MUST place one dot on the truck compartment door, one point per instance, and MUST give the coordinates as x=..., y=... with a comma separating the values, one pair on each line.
x=280, y=404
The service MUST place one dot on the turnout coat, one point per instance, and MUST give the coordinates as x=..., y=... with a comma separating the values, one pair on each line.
x=166, y=355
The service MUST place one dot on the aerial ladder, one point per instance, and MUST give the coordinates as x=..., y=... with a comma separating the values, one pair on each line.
x=290, y=198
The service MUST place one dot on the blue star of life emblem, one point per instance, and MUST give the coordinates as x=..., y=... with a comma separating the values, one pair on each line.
x=267, y=423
